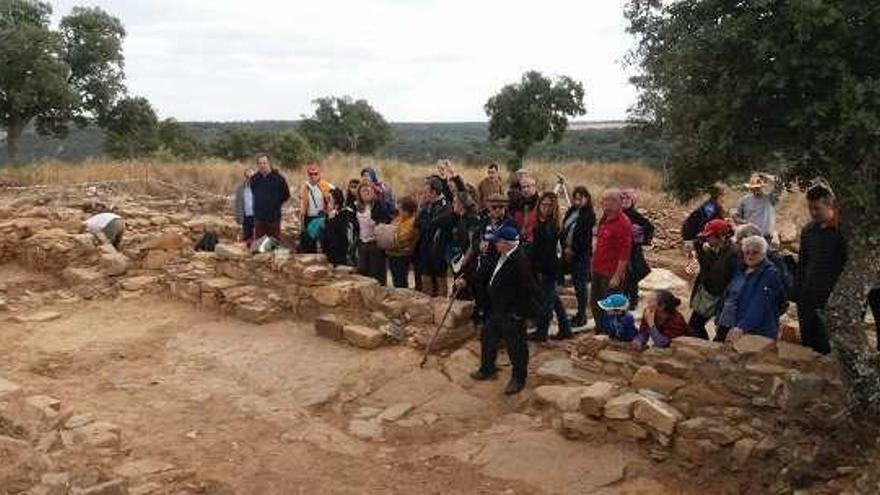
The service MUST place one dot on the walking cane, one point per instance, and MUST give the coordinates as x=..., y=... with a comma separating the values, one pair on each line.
x=439, y=326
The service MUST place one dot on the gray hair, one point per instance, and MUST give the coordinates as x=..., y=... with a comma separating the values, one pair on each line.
x=747, y=230
x=755, y=241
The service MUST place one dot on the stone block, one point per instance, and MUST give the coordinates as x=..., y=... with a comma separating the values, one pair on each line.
x=80, y=276
x=656, y=414
x=700, y=346
x=799, y=389
x=169, y=241
x=446, y=338
x=715, y=429
x=114, y=487
x=328, y=326
x=621, y=407
x=562, y=397
x=229, y=252
x=363, y=336
x=139, y=283
x=628, y=428
x=649, y=378
x=156, y=259
x=220, y=283
x=576, y=426
x=695, y=449
x=615, y=357
x=594, y=397
x=795, y=353
x=37, y=317
x=141, y=468
x=98, y=434
x=753, y=344
x=563, y=370
x=742, y=450
x=113, y=264
x=673, y=367
x=394, y=412
x=459, y=313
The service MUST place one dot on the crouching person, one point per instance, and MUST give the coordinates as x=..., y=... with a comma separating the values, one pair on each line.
x=514, y=296
x=661, y=321
x=617, y=322
x=107, y=227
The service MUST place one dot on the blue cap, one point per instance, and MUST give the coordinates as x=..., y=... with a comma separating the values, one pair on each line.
x=614, y=301
x=504, y=233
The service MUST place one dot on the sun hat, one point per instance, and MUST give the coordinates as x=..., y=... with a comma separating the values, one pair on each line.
x=717, y=227
x=756, y=181
x=496, y=198
x=614, y=302
x=505, y=233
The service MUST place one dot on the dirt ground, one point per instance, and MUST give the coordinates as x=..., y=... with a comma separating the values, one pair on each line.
x=276, y=409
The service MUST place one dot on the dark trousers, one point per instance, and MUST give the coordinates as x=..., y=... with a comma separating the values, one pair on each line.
x=721, y=334
x=371, y=262
x=247, y=229
x=399, y=266
x=874, y=304
x=814, y=334
x=513, y=330
x=306, y=243
x=580, y=277
x=599, y=290
x=697, y=326
x=552, y=303
x=263, y=227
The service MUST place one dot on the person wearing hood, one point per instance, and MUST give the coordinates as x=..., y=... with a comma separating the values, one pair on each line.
x=384, y=194
x=754, y=299
x=643, y=235
x=270, y=193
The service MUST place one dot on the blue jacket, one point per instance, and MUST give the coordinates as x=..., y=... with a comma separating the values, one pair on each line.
x=759, y=299
x=620, y=327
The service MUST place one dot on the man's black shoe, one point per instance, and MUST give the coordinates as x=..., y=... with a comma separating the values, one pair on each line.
x=579, y=321
x=513, y=387
x=536, y=337
x=480, y=375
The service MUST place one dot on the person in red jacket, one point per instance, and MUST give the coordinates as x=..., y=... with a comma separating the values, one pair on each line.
x=611, y=256
x=661, y=321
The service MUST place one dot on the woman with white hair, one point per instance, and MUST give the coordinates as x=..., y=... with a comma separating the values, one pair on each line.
x=755, y=298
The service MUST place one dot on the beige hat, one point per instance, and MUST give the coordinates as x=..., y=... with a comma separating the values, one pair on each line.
x=756, y=181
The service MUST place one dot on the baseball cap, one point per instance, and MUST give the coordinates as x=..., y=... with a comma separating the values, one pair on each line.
x=715, y=227
x=614, y=301
x=505, y=233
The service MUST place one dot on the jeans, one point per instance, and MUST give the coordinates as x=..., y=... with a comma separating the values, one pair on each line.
x=599, y=290
x=306, y=243
x=580, y=277
x=513, y=331
x=399, y=266
x=552, y=303
x=371, y=262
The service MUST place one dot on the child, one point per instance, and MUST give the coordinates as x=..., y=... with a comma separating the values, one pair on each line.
x=661, y=321
x=617, y=321
x=405, y=237
x=339, y=239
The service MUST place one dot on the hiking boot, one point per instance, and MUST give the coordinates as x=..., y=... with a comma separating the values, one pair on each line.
x=481, y=376
x=514, y=387
x=579, y=321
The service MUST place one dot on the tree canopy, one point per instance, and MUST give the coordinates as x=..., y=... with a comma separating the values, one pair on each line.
x=792, y=86
x=347, y=125
x=55, y=77
x=529, y=111
x=132, y=129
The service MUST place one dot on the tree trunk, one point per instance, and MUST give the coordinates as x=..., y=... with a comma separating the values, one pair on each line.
x=13, y=135
x=859, y=364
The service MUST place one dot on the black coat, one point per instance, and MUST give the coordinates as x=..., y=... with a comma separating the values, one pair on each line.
x=821, y=259
x=581, y=232
x=270, y=192
x=434, y=223
x=513, y=291
x=544, y=253
x=716, y=268
x=638, y=219
x=340, y=237
x=694, y=223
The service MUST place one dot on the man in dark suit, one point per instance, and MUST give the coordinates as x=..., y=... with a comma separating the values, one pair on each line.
x=512, y=298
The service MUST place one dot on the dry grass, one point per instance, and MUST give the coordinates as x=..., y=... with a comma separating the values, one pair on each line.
x=221, y=177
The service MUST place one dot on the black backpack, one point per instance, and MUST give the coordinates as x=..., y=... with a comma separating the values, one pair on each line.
x=207, y=242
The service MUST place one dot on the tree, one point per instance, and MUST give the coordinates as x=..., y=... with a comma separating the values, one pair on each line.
x=290, y=148
x=238, y=144
x=52, y=78
x=528, y=112
x=737, y=86
x=350, y=126
x=177, y=140
x=132, y=129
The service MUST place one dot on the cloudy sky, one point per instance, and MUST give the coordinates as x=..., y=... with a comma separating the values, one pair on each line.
x=413, y=60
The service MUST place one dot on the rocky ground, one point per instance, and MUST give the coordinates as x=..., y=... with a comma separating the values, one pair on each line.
x=158, y=370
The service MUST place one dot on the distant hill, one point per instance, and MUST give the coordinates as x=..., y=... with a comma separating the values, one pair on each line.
x=412, y=141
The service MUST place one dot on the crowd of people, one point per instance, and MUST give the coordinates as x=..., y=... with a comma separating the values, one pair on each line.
x=508, y=246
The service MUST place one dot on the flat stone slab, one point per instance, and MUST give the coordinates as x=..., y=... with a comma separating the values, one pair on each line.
x=752, y=344
x=142, y=467
x=563, y=370
x=38, y=317
x=7, y=388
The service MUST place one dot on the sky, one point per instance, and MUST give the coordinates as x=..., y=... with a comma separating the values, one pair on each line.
x=413, y=60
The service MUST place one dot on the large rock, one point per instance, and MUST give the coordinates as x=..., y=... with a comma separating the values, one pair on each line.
x=562, y=397
x=795, y=353
x=656, y=414
x=594, y=397
x=113, y=263
x=700, y=346
x=98, y=434
x=714, y=429
x=81, y=276
x=363, y=336
x=697, y=450
x=157, y=258
x=446, y=337
x=168, y=241
x=799, y=389
x=229, y=252
x=753, y=344
x=562, y=370
x=663, y=279
x=329, y=326
x=621, y=407
x=649, y=378
x=459, y=314
x=577, y=426
x=139, y=283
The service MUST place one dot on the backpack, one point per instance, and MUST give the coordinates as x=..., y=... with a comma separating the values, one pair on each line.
x=207, y=242
x=386, y=235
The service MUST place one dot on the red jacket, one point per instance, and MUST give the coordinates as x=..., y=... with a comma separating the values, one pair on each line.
x=673, y=326
x=613, y=244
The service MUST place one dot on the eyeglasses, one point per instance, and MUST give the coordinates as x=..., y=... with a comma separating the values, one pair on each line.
x=496, y=207
x=313, y=174
x=548, y=205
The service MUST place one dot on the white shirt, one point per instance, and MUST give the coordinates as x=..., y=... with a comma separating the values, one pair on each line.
x=98, y=222
x=316, y=200
x=501, y=261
